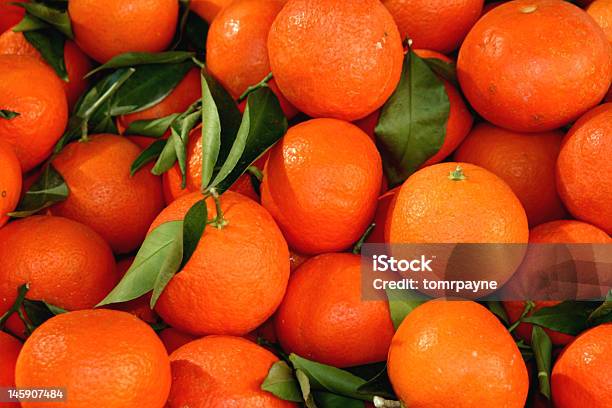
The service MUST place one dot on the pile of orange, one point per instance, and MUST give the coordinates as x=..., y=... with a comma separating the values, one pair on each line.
x=523, y=156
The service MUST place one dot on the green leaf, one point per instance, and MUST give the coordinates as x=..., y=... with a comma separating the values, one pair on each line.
x=328, y=400
x=50, y=188
x=167, y=156
x=8, y=114
x=357, y=247
x=603, y=314
x=196, y=31
x=180, y=29
x=569, y=317
x=132, y=59
x=282, y=383
x=402, y=303
x=50, y=45
x=16, y=306
x=193, y=228
x=58, y=19
x=446, y=70
x=378, y=385
x=39, y=312
x=147, y=155
x=30, y=23
x=304, y=383
x=542, y=348
x=498, y=310
x=412, y=123
x=151, y=127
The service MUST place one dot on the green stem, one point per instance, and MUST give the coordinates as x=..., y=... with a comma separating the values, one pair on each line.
x=366, y=234
x=260, y=84
x=219, y=222
x=457, y=174
x=16, y=306
x=529, y=306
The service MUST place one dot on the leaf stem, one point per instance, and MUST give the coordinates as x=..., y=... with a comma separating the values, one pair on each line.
x=529, y=306
x=260, y=84
x=457, y=174
x=218, y=222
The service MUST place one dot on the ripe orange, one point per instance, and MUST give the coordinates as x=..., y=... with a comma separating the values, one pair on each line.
x=525, y=161
x=522, y=66
x=583, y=165
x=439, y=25
x=385, y=202
x=31, y=89
x=321, y=183
x=222, y=371
x=324, y=317
x=446, y=353
x=601, y=11
x=581, y=375
x=139, y=307
x=335, y=58
x=10, y=14
x=9, y=350
x=10, y=181
x=208, y=9
x=107, y=28
x=174, y=339
x=237, y=276
x=568, y=232
x=103, y=195
x=103, y=358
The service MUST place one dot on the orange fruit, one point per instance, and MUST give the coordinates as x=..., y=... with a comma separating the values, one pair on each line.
x=77, y=63
x=385, y=202
x=237, y=276
x=334, y=58
x=446, y=353
x=107, y=28
x=10, y=181
x=568, y=232
x=514, y=310
x=581, y=375
x=103, y=358
x=601, y=11
x=539, y=83
x=324, y=317
x=296, y=259
x=208, y=9
x=583, y=165
x=321, y=183
x=9, y=350
x=174, y=339
x=103, y=195
x=438, y=25
x=139, y=307
x=222, y=371
x=525, y=161
x=31, y=89
x=10, y=14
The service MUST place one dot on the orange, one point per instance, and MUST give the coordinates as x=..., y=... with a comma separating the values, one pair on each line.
x=525, y=161
x=10, y=181
x=522, y=66
x=77, y=63
x=31, y=89
x=568, y=232
x=139, y=307
x=237, y=276
x=385, y=202
x=9, y=350
x=321, y=183
x=10, y=14
x=581, y=375
x=583, y=165
x=601, y=11
x=445, y=354
x=439, y=25
x=103, y=358
x=174, y=339
x=222, y=371
x=335, y=58
x=515, y=308
x=103, y=195
x=324, y=317
x=107, y=28
x=208, y=9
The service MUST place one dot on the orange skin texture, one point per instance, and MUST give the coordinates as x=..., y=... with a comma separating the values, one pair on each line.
x=581, y=375
x=32, y=89
x=9, y=350
x=10, y=181
x=247, y=261
x=321, y=183
x=445, y=354
x=353, y=74
x=438, y=25
x=104, y=358
x=324, y=318
x=107, y=28
x=77, y=63
x=103, y=195
x=139, y=307
x=222, y=372
x=601, y=11
x=10, y=14
x=528, y=70
x=208, y=9
x=525, y=161
x=174, y=339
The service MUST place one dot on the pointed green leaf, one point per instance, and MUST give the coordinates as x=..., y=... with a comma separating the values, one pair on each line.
x=132, y=59
x=402, y=303
x=603, y=314
x=193, y=228
x=196, y=31
x=498, y=310
x=542, y=348
x=446, y=70
x=147, y=155
x=8, y=114
x=304, y=383
x=30, y=23
x=167, y=156
x=569, y=317
x=282, y=383
x=329, y=400
x=50, y=188
x=50, y=45
x=56, y=18
x=151, y=127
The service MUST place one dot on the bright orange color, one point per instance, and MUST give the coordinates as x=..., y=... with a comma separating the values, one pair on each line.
x=104, y=358
x=583, y=168
x=174, y=339
x=568, y=232
x=77, y=63
x=384, y=204
x=581, y=375
x=31, y=89
x=139, y=307
x=103, y=195
x=10, y=14
x=525, y=161
x=222, y=371
x=525, y=65
x=9, y=350
x=438, y=25
x=10, y=181
x=324, y=317
x=321, y=183
x=445, y=354
x=335, y=58
x=237, y=276
x=107, y=28
x=601, y=11
x=208, y=9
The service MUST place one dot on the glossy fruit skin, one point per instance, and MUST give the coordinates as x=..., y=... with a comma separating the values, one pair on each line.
x=104, y=358
x=222, y=371
x=107, y=28
x=526, y=162
x=445, y=354
x=32, y=89
x=9, y=350
x=438, y=25
x=601, y=11
x=237, y=276
x=208, y=9
x=580, y=377
x=523, y=66
x=324, y=318
x=321, y=183
x=10, y=14
x=355, y=71
x=582, y=166
x=103, y=195
x=10, y=181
